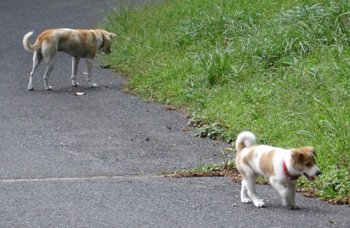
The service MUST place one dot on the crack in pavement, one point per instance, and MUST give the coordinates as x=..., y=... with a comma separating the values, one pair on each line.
x=43, y=179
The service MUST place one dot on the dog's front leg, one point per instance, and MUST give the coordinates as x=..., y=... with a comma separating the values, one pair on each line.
x=287, y=192
x=89, y=63
x=290, y=197
x=75, y=63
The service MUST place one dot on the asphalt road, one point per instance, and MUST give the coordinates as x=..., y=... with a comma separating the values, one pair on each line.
x=94, y=160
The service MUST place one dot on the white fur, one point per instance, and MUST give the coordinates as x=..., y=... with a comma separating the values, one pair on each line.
x=247, y=138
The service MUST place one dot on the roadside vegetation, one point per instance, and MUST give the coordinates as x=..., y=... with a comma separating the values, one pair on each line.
x=280, y=69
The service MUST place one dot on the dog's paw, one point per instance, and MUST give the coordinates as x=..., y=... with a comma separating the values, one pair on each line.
x=48, y=88
x=93, y=85
x=294, y=207
x=259, y=203
x=246, y=200
x=75, y=84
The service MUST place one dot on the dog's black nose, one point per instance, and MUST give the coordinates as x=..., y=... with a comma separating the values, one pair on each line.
x=318, y=173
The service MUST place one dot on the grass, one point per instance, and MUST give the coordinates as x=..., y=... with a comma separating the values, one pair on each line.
x=280, y=69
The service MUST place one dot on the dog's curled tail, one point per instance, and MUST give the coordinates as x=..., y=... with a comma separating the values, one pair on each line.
x=30, y=47
x=244, y=139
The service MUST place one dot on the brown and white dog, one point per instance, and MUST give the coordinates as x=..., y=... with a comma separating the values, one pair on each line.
x=281, y=166
x=77, y=43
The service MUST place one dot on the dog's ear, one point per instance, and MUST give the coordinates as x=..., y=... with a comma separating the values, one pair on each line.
x=313, y=151
x=112, y=35
x=308, y=149
x=296, y=154
x=299, y=153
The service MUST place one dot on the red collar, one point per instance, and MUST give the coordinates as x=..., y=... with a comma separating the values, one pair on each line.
x=287, y=173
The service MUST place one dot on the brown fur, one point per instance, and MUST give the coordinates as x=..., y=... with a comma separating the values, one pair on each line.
x=249, y=157
x=240, y=147
x=265, y=163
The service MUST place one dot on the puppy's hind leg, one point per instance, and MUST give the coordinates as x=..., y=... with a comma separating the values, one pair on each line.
x=37, y=58
x=250, y=185
x=244, y=192
x=75, y=63
x=89, y=63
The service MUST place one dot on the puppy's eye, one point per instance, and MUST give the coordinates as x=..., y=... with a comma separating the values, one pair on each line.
x=308, y=164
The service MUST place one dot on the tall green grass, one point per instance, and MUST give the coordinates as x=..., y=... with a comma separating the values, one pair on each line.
x=278, y=68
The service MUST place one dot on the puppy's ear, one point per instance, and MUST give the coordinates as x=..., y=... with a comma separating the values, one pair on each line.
x=112, y=35
x=308, y=149
x=297, y=154
x=313, y=151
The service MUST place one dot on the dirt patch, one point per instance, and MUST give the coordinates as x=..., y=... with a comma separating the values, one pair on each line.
x=229, y=172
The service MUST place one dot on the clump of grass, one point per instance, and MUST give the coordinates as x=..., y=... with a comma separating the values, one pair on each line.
x=277, y=68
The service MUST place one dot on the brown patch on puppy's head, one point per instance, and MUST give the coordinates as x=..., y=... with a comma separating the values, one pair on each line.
x=304, y=155
x=303, y=160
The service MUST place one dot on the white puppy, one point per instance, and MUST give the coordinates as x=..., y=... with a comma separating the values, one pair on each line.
x=282, y=167
x=77, y=43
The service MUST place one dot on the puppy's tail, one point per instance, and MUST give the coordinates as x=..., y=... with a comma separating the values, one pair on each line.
x=30, y=47
x=244, y=139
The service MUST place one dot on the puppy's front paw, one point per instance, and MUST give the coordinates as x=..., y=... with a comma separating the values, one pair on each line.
x=294, y=207
x=75, y=84
x=246, y=200
x=259, y=203
x=93, y=85
x=48, y=88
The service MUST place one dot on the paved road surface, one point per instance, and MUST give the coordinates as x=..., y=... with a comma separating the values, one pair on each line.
x=94, y=160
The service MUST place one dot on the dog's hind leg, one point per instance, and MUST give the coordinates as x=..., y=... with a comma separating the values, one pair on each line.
x=37, y=58
x=50, y=62
x=49, y=54
x=49, y=68
x=244, y=192
x=75, y=62
x=249, y=183
x=89, y=63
